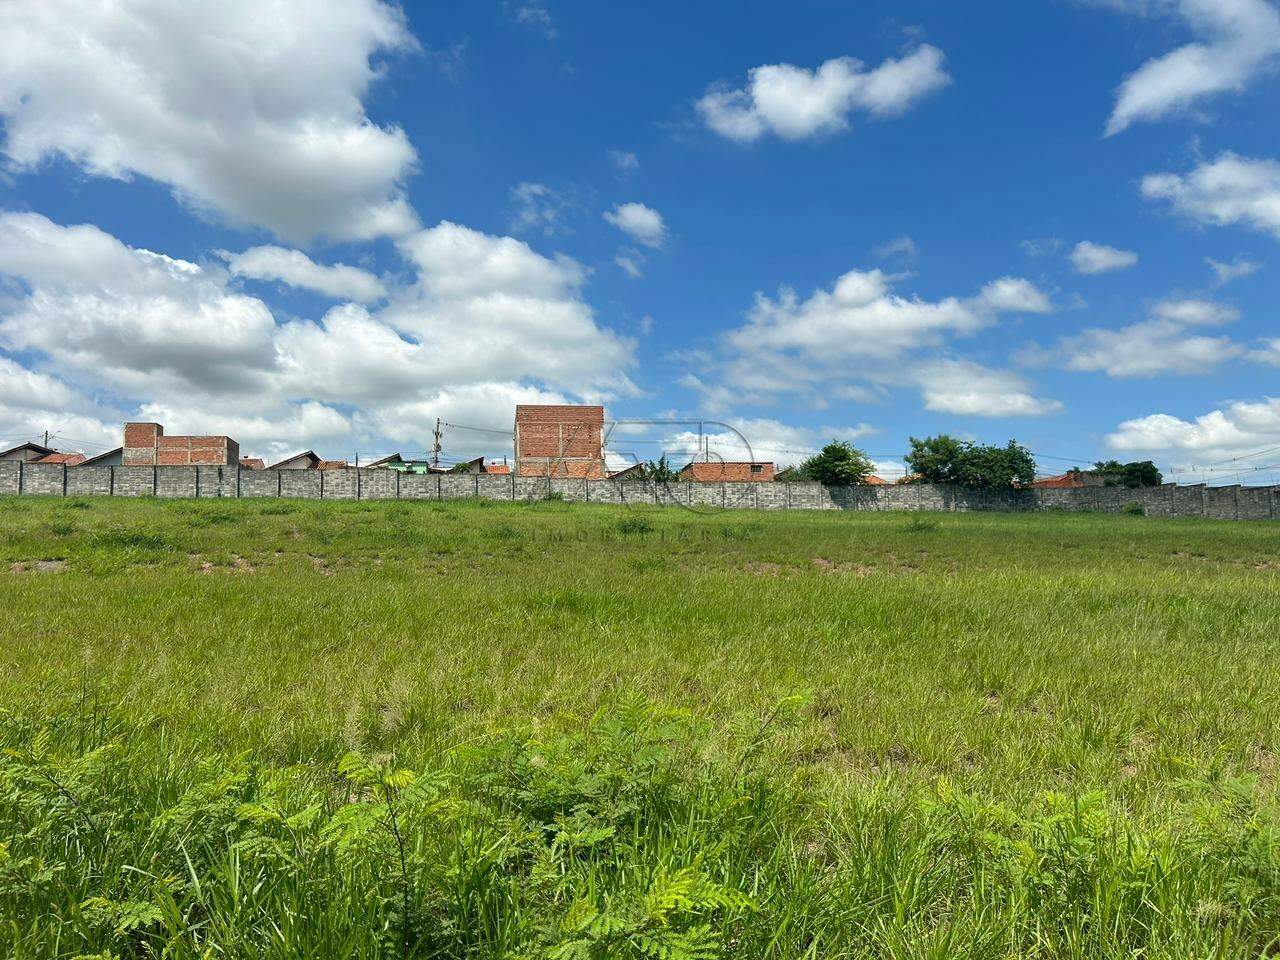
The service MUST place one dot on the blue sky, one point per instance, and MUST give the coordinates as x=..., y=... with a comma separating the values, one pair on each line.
x=324, y=224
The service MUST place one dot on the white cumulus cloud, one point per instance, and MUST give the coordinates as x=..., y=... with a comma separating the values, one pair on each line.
x=248, y=111
x=483, y=317
x=796, y=103
x=1224, y=273
x=834, y=342
x=642, y=224
x=1089, y=258
x=295, y=268
x=1236, y=42
x=1233, y=430
x=1161, y=344
x=1227, y=190
x=966, y=388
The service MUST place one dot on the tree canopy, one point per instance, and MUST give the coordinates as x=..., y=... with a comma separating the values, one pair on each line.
x=660, y=471
x=1136, y=473
x=838, y=464
x=945, y=459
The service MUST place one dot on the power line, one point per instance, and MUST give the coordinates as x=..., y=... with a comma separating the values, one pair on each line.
x=461, y=426
x=1243, y=456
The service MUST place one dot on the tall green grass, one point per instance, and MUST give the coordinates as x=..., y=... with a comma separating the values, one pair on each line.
x=278, y=729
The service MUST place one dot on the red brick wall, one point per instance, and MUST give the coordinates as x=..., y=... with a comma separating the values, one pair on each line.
x=145, y=444
x=560, y=440
x=555, y=467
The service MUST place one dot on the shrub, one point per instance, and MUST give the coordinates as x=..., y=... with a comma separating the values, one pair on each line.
x=633, y=523
x=921, y=524
x=1134, y=509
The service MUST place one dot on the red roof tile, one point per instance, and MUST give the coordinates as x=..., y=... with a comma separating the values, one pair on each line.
x=70, y=459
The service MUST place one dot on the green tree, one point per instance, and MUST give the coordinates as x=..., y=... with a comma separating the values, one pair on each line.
x=839, y=464
x=660, y=471
x=994, y=468
x=936, y=459
x=944, y=459
x=1136, y=473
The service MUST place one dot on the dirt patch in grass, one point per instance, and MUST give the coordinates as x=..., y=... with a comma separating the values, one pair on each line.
x=238, y=564
x=1260, y=564
x=38, y=566
x=823, y=565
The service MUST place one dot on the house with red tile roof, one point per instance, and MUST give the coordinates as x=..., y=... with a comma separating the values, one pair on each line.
x=726, y=471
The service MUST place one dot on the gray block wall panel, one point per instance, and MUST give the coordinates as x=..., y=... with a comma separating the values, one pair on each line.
x=89, y=481
x=213, y=481
x=495, y=488
x=9, y=477
x=43, y=479
x=176, y=482
x=455, y=486
x=672, y=494
x=604, y=491
x=772, y=496
x=1220, y=502
x=303, y=484
x=340, y=484
x=1254, y=503
x=638, y=491
x=572, y=490
x=855, y=498
x=134, y=481
x=378, y=484
x=712, y=495
x=260, y=483
x=419, y=486
x=530, y=488
x=804, y=496
x=1188, y=501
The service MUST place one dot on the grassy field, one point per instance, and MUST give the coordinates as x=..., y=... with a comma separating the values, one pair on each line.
x=473, y=729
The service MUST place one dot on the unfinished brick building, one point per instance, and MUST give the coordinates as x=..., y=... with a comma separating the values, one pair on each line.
x=559, y=440
x=146, y=445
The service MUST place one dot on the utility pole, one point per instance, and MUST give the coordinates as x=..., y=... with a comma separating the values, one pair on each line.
x=435, y=446
x=46, y=438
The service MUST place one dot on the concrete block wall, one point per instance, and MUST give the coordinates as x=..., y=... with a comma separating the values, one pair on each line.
x=1169, y=500
x=260, y=483
x=303, y=484
x=215, y=481
x=42, y=479
x=177, y=482
x=380, y=485
x=459, y=486
x=498, y=487
x=419, y=486
x=90, y=482
x=133, y=481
